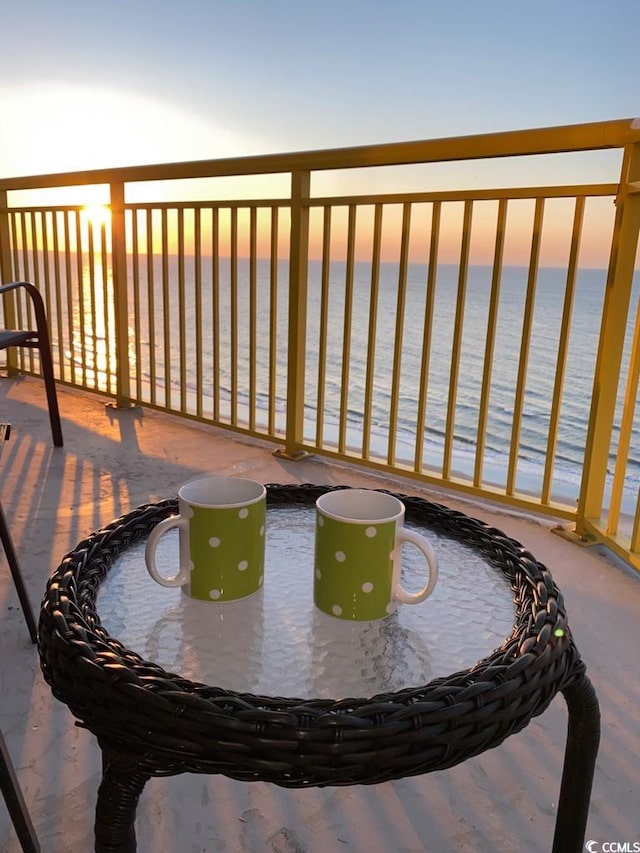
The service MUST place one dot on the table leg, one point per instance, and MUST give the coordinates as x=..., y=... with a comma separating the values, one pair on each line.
x=118, y=796
x=583, y=738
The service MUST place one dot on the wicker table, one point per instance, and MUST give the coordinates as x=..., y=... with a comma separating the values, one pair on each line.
x=152, y=722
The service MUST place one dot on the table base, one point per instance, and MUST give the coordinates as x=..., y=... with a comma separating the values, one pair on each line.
x=152, y=723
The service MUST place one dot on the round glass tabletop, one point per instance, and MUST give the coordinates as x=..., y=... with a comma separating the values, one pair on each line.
x=277, y=643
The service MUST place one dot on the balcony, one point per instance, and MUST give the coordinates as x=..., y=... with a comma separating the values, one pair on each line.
x=240, y=319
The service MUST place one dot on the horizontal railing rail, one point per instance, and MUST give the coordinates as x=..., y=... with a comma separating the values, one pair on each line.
x=392, y=328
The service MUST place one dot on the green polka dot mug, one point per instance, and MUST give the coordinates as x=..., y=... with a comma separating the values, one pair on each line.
x=358, y=555
x=221, y=523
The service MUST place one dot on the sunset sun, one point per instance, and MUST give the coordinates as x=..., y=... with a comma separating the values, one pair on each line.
x=97, y=214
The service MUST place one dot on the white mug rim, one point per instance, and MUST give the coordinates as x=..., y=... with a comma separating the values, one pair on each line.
x=364, y=493
x=211, y=504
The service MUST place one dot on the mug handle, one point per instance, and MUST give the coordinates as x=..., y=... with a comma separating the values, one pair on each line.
x=150, y=551
x=425, y=546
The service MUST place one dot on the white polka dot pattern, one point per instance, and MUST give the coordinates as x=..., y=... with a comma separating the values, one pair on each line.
x=227, y=548
x=352, y=567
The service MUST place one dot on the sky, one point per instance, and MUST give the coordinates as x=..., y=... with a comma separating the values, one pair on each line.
x=88, y=83
x=94, y=84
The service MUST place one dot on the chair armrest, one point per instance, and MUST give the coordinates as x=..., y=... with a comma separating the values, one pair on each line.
x=36, y=298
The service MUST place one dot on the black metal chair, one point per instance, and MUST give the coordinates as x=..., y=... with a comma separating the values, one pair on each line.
x=37, y=338
x=8, y=780
x=15, y=802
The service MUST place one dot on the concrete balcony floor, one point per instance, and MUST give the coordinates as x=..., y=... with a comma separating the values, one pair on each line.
x=504, y=800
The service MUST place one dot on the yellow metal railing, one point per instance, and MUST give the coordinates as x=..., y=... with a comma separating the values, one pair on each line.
x=412, y=460
x=387, y=328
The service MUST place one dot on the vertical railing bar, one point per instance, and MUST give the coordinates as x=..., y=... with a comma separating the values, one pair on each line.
x=6, y=270
x=297, y=314
x=253, y=315
x=29, y=246
x=7, y=275
x=14, y=354
x=373, y=325
x=30, y=273
x=58, y=298
x=346, y=336
x=14, y=245
x=166, y=308
x=457, y=340
x=35, y=259
x=26, y=322
x=18, y=238
x=137, y=309
x=324, y=324
x=234, y=314
x=15, y=240
x=19, y=234
x=421, y=415
x=38, y=258
x=68, y=299
x=273, y=319
x=119, y=279
x=92, y=298
x=525, y=345
x=35, y=217
x=81, y=311
x=399, y=332
x=68, y=291
x=215, y=309
x=32, y=260
x=563, y=347
x=104, y=292
x=626, y=427
x=34, y=249
x=46, y=268
x=25, y=249
x=151, y=286
x=182, y=322
x=17, y=247
x=197, y=236
x=489, y=348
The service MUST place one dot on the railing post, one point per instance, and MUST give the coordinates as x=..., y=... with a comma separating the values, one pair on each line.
x=6, y=275
x=297, y=319
x=120, y=295
x=612, y=334
x=6, y=267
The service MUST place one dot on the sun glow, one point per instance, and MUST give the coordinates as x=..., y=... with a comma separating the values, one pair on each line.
x=97, y=214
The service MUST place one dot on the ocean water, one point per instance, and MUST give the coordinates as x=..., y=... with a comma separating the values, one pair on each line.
x=445, y=310
x=340, y=365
